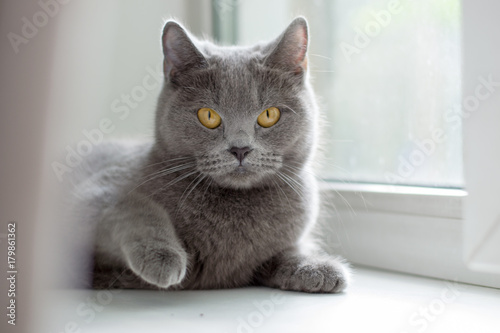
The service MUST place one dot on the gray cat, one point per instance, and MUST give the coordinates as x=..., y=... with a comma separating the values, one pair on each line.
x=224, y=197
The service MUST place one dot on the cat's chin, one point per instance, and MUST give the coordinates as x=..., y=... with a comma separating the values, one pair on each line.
x=239, y=179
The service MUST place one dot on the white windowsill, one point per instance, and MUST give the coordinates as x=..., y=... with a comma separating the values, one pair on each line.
x=377, y=301
x=400, y=228
x=395, y=189
x=425, y=201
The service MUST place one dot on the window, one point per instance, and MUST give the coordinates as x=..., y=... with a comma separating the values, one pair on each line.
x=389, y=77
x=387, y=73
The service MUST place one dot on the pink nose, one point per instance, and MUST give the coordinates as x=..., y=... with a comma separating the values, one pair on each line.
x=240, y=153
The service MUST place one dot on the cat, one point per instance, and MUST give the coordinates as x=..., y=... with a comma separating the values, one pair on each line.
x=224, y=196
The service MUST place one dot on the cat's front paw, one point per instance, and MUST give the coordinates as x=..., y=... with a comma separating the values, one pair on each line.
x=326, y=275
x=159, y=265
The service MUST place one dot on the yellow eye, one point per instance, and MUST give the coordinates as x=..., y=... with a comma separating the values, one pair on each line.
x=209, y=118
x=269, y=117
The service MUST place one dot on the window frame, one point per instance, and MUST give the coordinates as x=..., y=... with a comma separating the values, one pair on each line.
x=399, y=228
x=480, y=130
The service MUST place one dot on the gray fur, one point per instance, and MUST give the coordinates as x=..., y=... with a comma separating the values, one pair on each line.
x=178, y=213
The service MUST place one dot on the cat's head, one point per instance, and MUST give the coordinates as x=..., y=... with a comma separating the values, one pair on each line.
x=244, y=114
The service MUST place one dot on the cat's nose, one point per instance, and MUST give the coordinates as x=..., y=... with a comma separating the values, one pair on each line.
x=240, y=153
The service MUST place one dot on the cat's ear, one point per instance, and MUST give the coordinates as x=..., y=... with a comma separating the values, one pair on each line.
x=179, y=50
x=289, y=50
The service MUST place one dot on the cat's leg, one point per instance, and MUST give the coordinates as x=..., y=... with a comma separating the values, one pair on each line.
x=141, y=233
x=313, y=272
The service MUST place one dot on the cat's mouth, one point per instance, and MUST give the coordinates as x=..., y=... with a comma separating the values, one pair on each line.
x=241, y=172
x=243, y=176
x=241, y=169
x=246, y=173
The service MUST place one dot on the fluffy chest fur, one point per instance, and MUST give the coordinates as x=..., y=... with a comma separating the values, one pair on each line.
x=229, y=233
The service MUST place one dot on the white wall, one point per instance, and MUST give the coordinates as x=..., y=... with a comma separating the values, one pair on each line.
x=104, y=50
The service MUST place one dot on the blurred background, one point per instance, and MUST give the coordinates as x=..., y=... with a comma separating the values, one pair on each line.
x=385, y=77
x=388, y=76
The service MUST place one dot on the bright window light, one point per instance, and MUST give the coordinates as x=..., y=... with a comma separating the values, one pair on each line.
x=388, y=76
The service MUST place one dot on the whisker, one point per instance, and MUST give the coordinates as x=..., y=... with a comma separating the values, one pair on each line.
x=341, y=196
x=276, y=187
x=297, y=185
x=289, y=168
x=183, y=198
x=346, y=202
x=320, y=56
x=174, y=181
x=281, y=190
x=162, y=173
x=170, y=168
x=166, y=171
x=327, y=203
x=166, y=161
x=209, y=184
x=280, y=175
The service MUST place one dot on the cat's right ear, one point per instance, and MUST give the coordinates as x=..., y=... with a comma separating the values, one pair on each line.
x=180, y=53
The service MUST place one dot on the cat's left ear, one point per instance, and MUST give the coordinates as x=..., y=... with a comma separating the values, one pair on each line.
x=180, y=53
x=290, y=49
